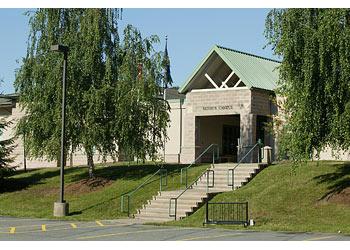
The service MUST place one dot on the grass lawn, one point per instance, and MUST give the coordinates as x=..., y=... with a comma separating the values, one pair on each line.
x=292, y=199
x=33, y=194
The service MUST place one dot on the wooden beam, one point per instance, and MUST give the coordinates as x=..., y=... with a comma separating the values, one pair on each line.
x=237, y=83
x=211, y=81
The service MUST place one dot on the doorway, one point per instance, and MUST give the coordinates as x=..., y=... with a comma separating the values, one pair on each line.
x=230, y=135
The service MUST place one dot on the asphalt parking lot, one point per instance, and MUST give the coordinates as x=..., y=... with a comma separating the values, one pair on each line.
x=130, y=230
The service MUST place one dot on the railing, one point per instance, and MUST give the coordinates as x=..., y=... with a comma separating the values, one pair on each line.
x=162, y=172
x=259, y=145
x=226, y=213
x=208, y=171
x=185, y=169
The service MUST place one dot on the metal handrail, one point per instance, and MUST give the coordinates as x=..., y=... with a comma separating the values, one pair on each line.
x=259, y=143
x=190, y=186
x=195, y=160
x=140, y=186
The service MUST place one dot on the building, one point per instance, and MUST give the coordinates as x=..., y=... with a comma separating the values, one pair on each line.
x=10, y=110
x=227, y=100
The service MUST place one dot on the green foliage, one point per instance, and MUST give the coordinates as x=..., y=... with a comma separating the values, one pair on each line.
x=108, y=104
x=314, y=77
x=6, y=149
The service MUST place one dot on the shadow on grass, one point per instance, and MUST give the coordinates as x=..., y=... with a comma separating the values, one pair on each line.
x=131, y=172
x=35, y=176
x=337, y=181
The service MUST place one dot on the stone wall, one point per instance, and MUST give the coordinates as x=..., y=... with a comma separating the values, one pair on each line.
x=211, y=103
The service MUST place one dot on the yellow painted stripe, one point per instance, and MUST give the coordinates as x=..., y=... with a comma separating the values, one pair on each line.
x=321, y=238
x=210, y=237
x=63, y=229
x=23, y=220
x=12, y=230
x=124, y=233
x=99, y=223
x=73, y=225
x=36, y=225
x=43, y=228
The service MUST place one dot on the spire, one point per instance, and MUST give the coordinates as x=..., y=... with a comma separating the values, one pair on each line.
x=166, y=65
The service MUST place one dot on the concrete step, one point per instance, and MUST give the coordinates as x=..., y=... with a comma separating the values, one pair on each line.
x=164, y=212
x=237, y=170
x=233, y=164
x=219, y=189
x=161, y=213
x=225, y=177
x=153, y=218
x=188, y=194
x=222, y=184
x=158, y=208
x=185, y=200
x=164, y=215
x=166, y=206
x=239, y=167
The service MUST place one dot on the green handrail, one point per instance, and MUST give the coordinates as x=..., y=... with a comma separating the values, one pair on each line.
x=129, y=194
x=259, y=144
x=194, y=162
x=190, y=186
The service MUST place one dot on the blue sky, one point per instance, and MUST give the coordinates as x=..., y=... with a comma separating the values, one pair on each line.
x=191, y=34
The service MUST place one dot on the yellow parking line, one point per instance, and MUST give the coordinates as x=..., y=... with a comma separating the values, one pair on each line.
x=43, y=228
x=35, y=225
x=124, y=233
x=210, y=237
x=73, y=225
x=321, y=238
x=99, y=223
x=2, y=220
x=12, y=230
x=66, y=228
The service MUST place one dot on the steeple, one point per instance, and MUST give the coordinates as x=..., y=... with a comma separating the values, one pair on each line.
x=166, y=65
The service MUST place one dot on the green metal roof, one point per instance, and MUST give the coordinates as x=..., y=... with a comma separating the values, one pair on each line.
x=254, y=71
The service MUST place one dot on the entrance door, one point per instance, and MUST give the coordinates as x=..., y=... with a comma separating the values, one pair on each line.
x=230, y=135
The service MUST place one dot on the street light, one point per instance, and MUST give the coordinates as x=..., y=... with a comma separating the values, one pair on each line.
x=61, y=208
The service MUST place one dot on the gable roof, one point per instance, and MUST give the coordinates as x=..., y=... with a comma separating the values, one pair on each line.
x=254, y=71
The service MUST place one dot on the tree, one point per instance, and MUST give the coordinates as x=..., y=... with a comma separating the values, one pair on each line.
x=6, y=149
x=107, y=105
x=314, y=77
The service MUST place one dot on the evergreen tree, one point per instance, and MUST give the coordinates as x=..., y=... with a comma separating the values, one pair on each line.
x=6, y=149
x=314, y=77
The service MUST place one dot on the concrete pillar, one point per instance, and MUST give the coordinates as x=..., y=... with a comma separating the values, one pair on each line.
x=267, y=155
x=247, y=135
x=188, y=149
x=60, y=209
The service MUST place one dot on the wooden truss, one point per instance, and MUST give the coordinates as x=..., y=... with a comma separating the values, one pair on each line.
x=224, y=83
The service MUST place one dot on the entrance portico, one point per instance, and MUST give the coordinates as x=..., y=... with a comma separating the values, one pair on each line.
x=227, y=101
x=208, y=114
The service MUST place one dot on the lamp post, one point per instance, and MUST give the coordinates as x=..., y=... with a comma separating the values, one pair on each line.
x=61, y=208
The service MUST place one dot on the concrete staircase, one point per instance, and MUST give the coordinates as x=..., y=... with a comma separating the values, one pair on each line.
x=157, y=209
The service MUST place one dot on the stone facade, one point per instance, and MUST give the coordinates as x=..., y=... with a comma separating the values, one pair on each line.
x=242, y=101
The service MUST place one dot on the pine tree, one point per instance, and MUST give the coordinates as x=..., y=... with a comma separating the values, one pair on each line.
x=6, y=149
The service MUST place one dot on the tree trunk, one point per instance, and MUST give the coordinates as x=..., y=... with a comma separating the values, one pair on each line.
x=90, y=163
